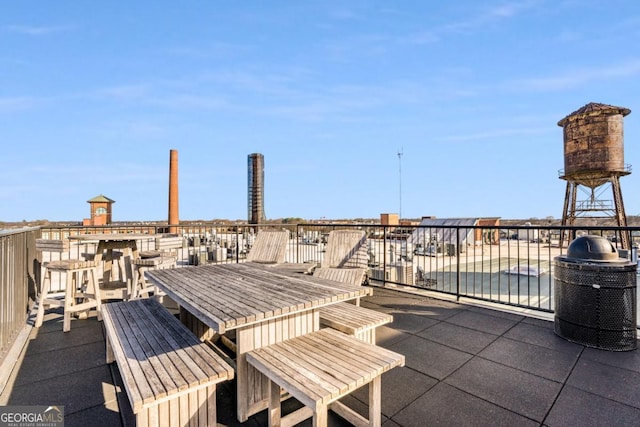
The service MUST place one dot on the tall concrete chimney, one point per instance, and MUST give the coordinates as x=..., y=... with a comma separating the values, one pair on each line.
x=174, y=219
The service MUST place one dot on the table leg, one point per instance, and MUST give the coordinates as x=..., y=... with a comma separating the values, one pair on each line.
x=375, y=402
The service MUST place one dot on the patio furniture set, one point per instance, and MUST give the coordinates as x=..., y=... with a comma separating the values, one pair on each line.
x=298, y=332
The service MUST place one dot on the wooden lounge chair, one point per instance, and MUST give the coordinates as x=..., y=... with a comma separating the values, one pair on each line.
x=269, y=250
x=269, y=247
x=346, y=260
x=346, y=249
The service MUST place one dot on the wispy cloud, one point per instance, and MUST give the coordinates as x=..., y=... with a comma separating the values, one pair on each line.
x=288, y=92
x=569, y=36
x=127, y=172
x=144, y=130
x=211, y=50
x=466, y=25
x=569, y=79
x=618, y=31
x=421, y=38
x=124, y=92
x=189, y=101
x=497, y=133
x=344, y=14
x=362, y=45
x=631, y=23
x=12, y=105
x=277, y=81
x=506, y=10
x=379, y=44
x=12, y=61
x=32, y=30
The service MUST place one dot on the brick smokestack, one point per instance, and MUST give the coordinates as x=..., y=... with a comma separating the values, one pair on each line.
x=174, y=219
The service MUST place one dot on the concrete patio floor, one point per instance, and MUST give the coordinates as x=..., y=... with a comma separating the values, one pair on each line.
x=465, y=365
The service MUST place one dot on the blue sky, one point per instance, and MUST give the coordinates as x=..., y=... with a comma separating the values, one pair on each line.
x=94, y=95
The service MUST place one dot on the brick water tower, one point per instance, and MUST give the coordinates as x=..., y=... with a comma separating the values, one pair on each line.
x=594, y=159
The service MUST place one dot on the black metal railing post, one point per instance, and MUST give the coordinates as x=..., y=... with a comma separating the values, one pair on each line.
x=384, y=255
x=297, y=242
x=458, y=274
x=237, y=254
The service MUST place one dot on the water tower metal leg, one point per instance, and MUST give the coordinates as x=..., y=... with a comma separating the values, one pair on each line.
x=569, y=211
x=620, y=213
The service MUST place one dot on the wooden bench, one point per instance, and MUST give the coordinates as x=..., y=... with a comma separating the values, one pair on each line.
x=169, y=375
x=353, y=320
x=81, y=291
x=349, y=318
x=318, y=369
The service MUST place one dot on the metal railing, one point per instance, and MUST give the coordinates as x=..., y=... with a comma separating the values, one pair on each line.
x=18, y=270
x=507, y=265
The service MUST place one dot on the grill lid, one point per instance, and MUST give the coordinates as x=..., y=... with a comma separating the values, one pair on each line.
x=593, y=248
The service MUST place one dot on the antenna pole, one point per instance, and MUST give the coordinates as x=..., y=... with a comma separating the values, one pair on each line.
x=400, y=153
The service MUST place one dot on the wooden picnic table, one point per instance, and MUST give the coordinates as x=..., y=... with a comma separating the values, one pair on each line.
x=263, y=307
x=107, y=243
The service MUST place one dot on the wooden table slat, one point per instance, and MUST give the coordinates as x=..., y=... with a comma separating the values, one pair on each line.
x=241, y=294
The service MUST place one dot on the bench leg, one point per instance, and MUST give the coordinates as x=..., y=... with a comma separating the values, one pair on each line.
x=111, y=357
x=274, y=404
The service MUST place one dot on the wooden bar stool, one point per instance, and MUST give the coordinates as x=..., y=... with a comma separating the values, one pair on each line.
x=164, y=256
x=141, y=287
x=81, y=288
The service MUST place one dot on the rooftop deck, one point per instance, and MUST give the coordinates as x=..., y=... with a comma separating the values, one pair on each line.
x=465, y=365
